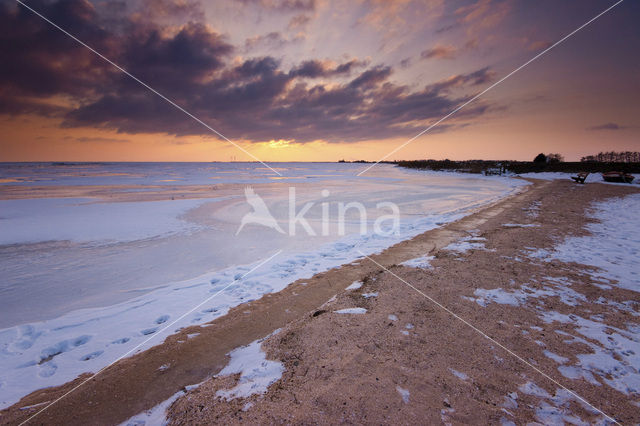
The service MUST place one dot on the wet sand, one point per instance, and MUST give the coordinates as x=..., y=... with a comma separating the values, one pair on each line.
x=346, y=368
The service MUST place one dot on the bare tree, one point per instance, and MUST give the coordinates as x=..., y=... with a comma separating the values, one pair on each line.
x=613, y=157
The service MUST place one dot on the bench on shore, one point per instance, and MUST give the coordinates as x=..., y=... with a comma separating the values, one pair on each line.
x=582, y=176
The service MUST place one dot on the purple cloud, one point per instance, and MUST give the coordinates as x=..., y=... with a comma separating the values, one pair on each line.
x=607, y=126
x=256, y=98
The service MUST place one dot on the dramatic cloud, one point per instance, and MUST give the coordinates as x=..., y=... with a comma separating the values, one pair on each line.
x=37, y=61
x=273, y=40
x=257, y=101
x=479, y=77
x=298, y=22
x=439, y=52
x=447, y=51
x=252, y=98
x=483, y=14
x=170, y=9
x=191, y=54
x=315, y=68
x=607, y=126
x=284, y=5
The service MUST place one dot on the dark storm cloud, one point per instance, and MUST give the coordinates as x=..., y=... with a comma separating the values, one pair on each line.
x=479, y=77
x=370, y=78
x=254, y=99
x=40, y=61
x=314, y=68
x=188, y=55
x=37, y=60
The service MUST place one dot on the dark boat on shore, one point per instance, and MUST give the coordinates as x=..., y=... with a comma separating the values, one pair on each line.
x=617, y=177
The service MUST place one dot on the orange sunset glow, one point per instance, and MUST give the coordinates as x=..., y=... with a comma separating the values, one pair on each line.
x=317, y=80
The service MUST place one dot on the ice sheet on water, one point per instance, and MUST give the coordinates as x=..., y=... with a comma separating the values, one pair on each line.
x=47, y=351
x=85, y=220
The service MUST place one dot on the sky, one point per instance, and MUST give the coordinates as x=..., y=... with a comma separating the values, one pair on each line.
x=316, y=80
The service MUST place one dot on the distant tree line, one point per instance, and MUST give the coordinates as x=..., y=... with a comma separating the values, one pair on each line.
x=613, y=157
x=541, y=163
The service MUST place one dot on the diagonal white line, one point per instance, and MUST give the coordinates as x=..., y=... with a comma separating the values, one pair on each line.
x=147, y=86
x=398, y=148
x=154, y=335
x=494, y=341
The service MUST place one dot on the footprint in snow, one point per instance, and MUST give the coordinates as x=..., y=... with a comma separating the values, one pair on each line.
x=27, y=335
x=51, y=352
x=162, y=319
x=149, y=331
x=47, y=369
x=121, y=341
x=92, y=355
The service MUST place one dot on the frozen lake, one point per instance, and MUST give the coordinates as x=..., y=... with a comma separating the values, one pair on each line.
x=96, y=257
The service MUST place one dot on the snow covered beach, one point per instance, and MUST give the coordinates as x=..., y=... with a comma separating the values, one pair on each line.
x=502, y=267
x=97, y=259
x=556, y=295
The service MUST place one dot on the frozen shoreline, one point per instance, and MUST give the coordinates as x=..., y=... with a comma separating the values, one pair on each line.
x=57, y=350
x=567, y=321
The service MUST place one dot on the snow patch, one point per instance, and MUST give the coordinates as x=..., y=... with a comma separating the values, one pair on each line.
x=257, y=373
x=613, y=245
x=460, y=375
x=556, y=409
x=156, y=416
x=351, y=311
x=354, y=285
x=404, y=393
x=557, y=358
x=422, y=262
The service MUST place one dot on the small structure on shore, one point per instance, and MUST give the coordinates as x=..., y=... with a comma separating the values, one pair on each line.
x=617, y=177
x=582, y=176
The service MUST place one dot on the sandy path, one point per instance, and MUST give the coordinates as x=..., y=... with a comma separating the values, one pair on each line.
x=137, y=383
